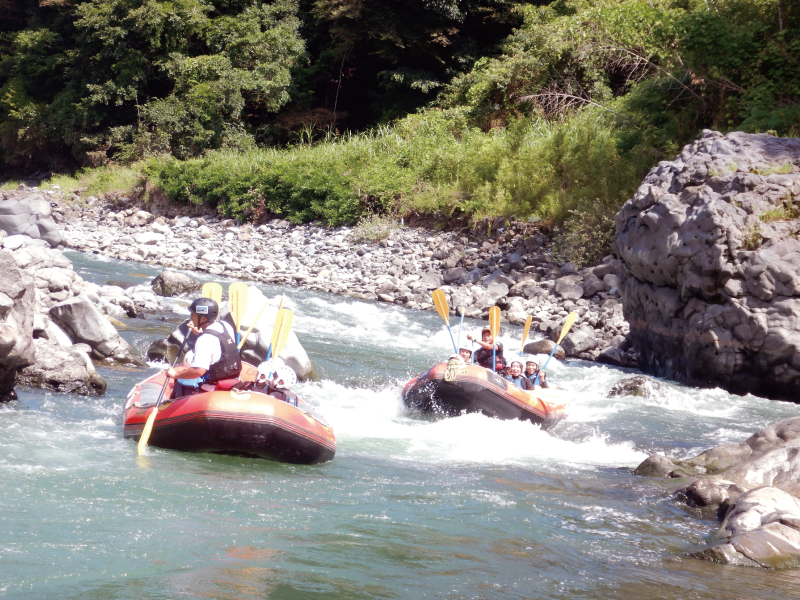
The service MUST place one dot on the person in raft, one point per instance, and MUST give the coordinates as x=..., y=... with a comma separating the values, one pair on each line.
x=215, y=354
x=517, y=378
x=532, y=370
x=466, y=355
x=483, y=355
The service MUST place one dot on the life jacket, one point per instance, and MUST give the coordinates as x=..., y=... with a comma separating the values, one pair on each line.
x=230, y=363
x=484, y=357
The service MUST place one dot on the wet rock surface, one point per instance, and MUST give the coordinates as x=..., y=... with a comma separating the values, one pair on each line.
x=170, y=283
x=761, y=529
x=61, y=369
x=753, y=486
x=50, y=315
x=17, y=309
x=711, y=265
x=638, y=385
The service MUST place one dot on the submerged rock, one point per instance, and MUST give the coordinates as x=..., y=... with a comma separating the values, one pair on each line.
x=638, y=385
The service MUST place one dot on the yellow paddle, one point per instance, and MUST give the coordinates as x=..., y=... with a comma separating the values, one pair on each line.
x=151, y=418
x=525, y=333
x=440, y=302
x=564, y=330
x=494, y=327
x=280, y=334
x=261, y=312
x=237, y=298
x=214, y=291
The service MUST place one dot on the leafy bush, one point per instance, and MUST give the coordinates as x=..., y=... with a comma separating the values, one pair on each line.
x=425, y=163
x=586, y=236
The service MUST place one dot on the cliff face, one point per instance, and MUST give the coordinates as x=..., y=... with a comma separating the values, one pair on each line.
x=711, y=265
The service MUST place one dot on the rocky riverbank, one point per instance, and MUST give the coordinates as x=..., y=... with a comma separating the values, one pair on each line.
x=510, y=265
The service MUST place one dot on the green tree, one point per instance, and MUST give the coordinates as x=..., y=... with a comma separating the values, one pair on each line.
x=101, y=78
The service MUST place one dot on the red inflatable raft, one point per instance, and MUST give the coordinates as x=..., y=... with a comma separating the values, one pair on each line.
x=231, y=421
x=452, y=390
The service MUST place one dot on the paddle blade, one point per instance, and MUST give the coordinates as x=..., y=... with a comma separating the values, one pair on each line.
x=567, y=324
x=213, y=291
x=525, y=333
x=280, y=333
x=148, y=428
x=494, y=321
x=237, y=296
x=440, y=302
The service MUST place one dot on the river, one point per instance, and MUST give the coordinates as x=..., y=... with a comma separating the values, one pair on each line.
x=468, y=507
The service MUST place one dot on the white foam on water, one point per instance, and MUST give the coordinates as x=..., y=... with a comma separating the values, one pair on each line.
x=363, y=418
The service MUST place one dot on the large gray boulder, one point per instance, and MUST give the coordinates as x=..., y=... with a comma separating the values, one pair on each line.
x=170, y=283
x=29, y=217
x=62, y=369
x=711, y=265
x=17, y=300
x=84, y=323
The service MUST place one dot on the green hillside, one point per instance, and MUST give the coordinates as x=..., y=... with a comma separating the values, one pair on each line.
x=332, y=109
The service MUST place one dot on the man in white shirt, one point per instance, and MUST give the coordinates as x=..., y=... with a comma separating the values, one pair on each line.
x=215, y=355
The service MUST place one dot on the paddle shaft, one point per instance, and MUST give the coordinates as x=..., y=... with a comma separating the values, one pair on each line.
x=278, y=345
x=460, y=327
x=148, y=427
x=451, y=338
x=280, y=306
x=536, y=381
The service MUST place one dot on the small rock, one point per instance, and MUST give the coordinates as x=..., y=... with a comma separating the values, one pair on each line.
x=455, y=274
x=655, y=466
x=638, y=385
x=544, y=347
x=170, y=284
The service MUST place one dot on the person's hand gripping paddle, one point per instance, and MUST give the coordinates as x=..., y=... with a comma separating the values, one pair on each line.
x=151, y=419
x=494, y=327
x=237, y=298
x=440, y=302
x=564, y=331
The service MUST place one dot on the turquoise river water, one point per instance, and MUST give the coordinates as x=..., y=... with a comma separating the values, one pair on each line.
x=468, y=507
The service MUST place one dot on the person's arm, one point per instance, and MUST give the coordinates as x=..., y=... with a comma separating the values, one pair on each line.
x=201, y=362
x=481, y=343
x=186, y=372
x=543, y=379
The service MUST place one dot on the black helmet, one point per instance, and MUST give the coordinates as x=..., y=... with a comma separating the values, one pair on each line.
x=205, y=307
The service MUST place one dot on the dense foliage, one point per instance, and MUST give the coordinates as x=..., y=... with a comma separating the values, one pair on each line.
x=554, y=108
x=426, y=163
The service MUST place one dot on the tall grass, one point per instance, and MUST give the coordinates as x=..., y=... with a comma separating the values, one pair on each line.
x=116, y=179
x=426, y=163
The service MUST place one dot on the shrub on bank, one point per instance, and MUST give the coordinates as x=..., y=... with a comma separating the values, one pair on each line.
x=430, y=162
